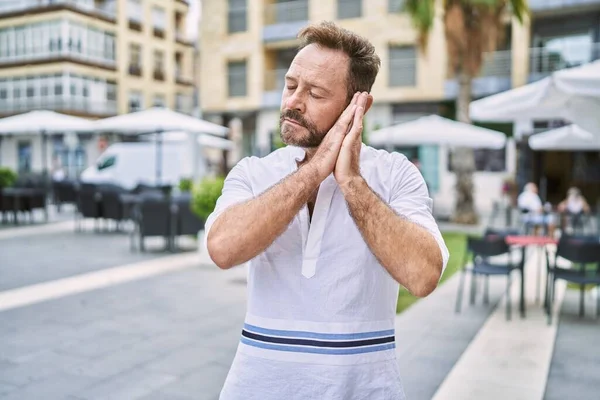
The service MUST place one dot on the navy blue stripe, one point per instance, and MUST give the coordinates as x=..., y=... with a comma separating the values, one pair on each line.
x=321, y=336
x=317, y=343
x=318, y=350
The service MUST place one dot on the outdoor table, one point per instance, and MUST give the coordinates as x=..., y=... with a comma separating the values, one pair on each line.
x=525, y=241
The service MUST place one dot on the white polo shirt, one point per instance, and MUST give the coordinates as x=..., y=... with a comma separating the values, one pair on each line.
x=321, y=309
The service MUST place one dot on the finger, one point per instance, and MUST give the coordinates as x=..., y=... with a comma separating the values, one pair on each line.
x=357, y=122
x=341, y=126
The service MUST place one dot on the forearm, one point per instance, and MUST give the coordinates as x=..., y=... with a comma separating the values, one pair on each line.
x=245, y=230
x=406, y=250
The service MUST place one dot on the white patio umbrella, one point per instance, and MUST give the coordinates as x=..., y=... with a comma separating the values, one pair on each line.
x=43, y=122
x=158, y=120
x=572, y=94
x=202, y=139
x=435, y=130
x=567, y=138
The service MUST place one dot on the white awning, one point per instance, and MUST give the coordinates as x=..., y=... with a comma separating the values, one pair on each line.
x=435, y=130
x=157, y=119
x=567, y=138
x=44, y=121
x=572, y=94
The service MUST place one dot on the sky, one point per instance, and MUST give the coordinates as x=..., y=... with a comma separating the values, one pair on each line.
x=192, y=20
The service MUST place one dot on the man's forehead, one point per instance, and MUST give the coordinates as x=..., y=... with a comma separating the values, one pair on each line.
x=319, y=63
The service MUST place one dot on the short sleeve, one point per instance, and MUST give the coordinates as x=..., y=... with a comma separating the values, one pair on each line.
x=410, y=199
x=236, y=189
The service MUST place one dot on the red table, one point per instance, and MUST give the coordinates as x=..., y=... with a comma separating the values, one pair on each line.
x=524, y=241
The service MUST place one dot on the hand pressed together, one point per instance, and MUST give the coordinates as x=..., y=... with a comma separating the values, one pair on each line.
x=340, y=150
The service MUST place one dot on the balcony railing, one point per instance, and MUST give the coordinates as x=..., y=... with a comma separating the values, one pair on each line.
x=288, y=11
x=544, y=61
x=135, y=70
x=158, y=75
x=66, y=104
x=107, y=9
x=543, y=5
x=497, y=63
x=68, y=53
x=181, y=78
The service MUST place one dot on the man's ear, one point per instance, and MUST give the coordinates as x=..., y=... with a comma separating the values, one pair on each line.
x=369, y=103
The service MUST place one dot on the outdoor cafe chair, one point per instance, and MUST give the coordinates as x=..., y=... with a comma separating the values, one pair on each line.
x=581, y=252
x=481, y=250
x=152, y=217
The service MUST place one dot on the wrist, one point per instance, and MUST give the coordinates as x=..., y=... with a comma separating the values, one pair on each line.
x=351, y=184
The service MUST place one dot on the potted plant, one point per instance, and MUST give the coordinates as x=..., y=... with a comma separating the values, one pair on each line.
x=7, y=177
x=204, y=200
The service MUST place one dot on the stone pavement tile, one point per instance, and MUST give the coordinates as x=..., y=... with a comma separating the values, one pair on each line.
x=130, y=356
x=420, y=375
x=204, y=383
x=132, y=384
x=38, y=367
x=6, y=388
x=160, y=395
x=101, y=344
x=56, y=386
x=65, y=254
x=574, y=371
x=184, y=360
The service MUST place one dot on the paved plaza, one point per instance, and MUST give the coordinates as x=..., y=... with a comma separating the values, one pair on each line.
x=83, y=317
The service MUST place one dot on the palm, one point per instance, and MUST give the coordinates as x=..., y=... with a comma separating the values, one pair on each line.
x=472, y=28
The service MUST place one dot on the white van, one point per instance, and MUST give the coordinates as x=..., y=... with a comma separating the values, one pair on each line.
x=130, y=164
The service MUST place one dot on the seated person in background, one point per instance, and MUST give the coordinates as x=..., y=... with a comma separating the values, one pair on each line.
x=574, y=206
x=530, y=203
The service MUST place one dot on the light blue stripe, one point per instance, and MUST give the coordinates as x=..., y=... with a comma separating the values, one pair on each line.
x=318, y=350
x=315, y=335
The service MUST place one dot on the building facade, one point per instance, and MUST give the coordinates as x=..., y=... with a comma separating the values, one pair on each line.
x=90, y=58
x=252, y=43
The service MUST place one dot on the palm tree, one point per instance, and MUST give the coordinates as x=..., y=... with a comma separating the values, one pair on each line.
x=472, y=28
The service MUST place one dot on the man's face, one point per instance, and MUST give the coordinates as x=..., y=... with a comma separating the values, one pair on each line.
x=314, y=96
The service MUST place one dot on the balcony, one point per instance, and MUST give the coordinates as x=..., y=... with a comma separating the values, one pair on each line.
x=283, y=20
x=182, y=79
x=183, y=104
x=44, y=55
x=68, y=105
x=549, y=5
x=98, y=9
x=273, y=88
x=544, y=61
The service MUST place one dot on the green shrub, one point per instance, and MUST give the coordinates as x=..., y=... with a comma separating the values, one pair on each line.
x=185, y=185
x=7, y=177
x=206, y=194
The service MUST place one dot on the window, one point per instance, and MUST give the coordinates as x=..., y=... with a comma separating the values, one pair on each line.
x=158, y=18
x=486, y=160
x=402, y=66
x=24, y=156
x=134, y=10
x=236, y=17
x=159, y=100
x=236, y=74
x=136, y=102
x=349, y=9
x=396, y=6
x=135, y=59
x=106, y=163
x=158, y=65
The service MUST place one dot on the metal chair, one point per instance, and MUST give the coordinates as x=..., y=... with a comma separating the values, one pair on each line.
x=481, y=251
x=580, y=251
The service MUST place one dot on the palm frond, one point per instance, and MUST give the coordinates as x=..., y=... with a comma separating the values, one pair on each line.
x=422, y=14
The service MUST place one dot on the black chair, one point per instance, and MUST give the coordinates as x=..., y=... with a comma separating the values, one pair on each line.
x=88, y=204
x=152, y=217
x=110, y=203
x=481, y=251
x=580, y=251
x=187, y=222
x=65, y=192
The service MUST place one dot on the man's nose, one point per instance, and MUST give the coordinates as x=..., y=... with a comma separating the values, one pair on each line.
x=295, y=101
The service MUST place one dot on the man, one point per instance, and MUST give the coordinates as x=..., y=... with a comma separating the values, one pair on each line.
x=329, y=227
x=530, y=204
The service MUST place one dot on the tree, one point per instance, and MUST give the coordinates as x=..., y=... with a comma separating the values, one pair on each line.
x=472, y=28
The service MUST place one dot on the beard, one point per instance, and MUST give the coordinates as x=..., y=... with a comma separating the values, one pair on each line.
x=290, y=133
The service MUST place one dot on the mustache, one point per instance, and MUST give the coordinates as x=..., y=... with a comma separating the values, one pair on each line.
x=295, y=116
